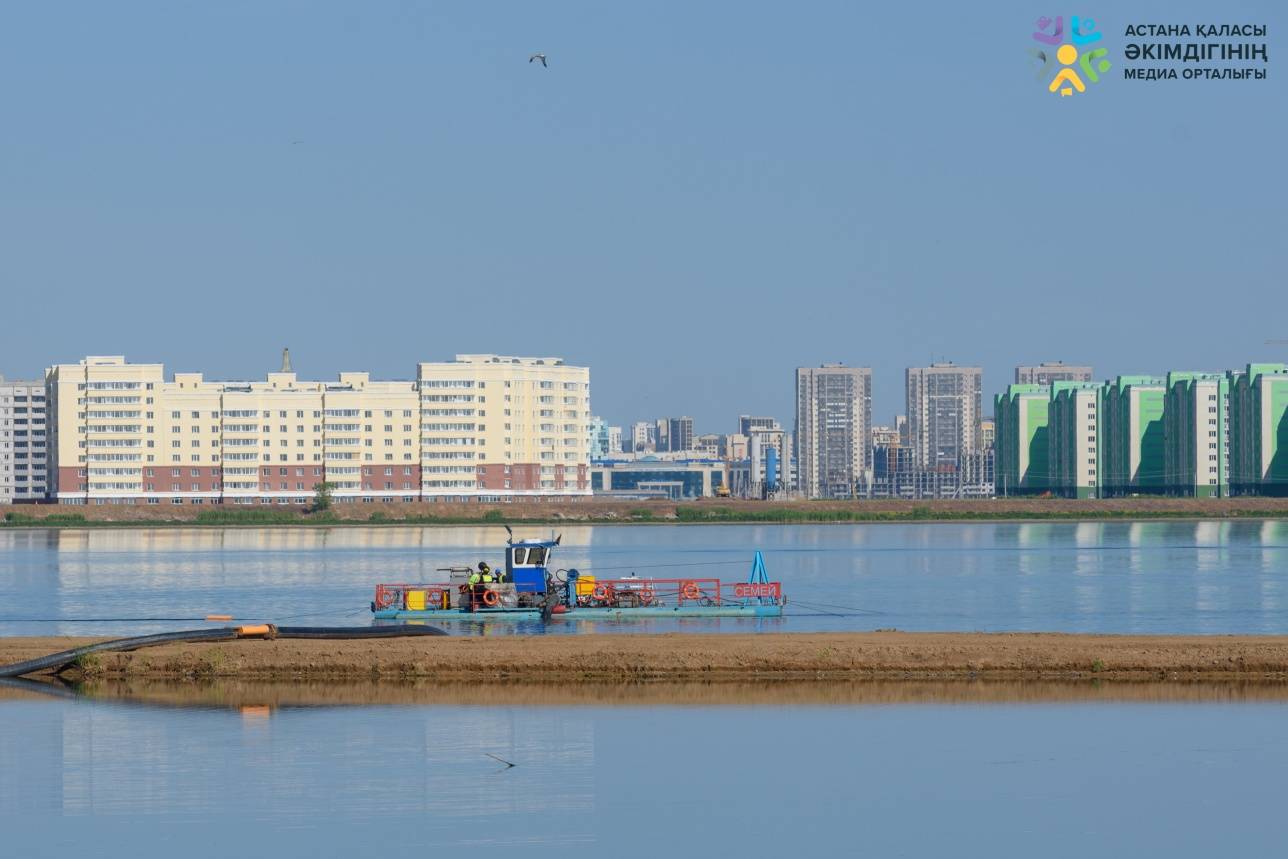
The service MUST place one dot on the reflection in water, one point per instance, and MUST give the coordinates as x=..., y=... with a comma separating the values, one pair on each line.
x=257, y=700
x=1063, y=778
x=1180, y=577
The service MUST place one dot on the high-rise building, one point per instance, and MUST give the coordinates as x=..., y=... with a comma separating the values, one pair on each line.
x=614, y=440
x=122, y=434
x=662, y=435
x=1021, y=445
x=1133, y=435
x=1196, y=434
x=1046, y=373
x=598, y=438
x=1074, y=434
x=708, y=446
x=681, y=434
x=23, y=439
x=643, y=436
x=885, y=436
x=987, y=433
x=747, y=423
x=833, y=416
x=944, y=403
x=531, y=432
x=675, y=434
x=1259, y=430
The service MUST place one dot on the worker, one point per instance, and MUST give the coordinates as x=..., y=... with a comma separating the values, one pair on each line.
x=479, y=580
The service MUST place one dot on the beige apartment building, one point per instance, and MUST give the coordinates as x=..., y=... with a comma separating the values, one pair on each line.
x=120, y=433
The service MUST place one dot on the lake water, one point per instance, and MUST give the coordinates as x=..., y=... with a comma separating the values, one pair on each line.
x=1052, y=779
x=893, y=769
x=1147, y=577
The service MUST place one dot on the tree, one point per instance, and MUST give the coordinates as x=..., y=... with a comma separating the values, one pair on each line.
x=322, y=497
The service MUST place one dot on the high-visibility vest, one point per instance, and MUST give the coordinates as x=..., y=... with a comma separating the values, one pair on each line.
x=474, y=579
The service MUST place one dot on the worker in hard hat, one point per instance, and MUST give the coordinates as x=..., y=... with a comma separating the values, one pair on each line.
x=479, y=580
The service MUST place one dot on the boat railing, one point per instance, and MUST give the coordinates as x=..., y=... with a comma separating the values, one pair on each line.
x=638, y=592
x=630, y=592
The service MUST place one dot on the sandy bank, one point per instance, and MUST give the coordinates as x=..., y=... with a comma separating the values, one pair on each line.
x=744, y=658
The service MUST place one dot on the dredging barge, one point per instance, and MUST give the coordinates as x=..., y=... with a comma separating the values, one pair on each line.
x=529, y=590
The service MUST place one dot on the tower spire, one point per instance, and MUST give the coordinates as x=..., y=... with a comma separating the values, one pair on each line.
x=286, y=360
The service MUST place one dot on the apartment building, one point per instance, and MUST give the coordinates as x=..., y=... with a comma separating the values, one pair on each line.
x=122, y=434
x=833, y=429
x=1075, y=433
x=1133, y=435
x=1047, y=373
x=1021, y=417
x=944, y=403
x=1196, y=434
x=23, y=439
x=536, y=441
x=643, y=436
x=1259, y=430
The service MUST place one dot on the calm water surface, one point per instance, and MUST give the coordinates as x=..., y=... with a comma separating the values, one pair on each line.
x=1180, y=577
x=1059, y=779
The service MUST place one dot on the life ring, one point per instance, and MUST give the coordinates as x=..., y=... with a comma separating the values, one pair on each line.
x=645, y=596
x=691, y=591
x=491, y=598
x=600, y=592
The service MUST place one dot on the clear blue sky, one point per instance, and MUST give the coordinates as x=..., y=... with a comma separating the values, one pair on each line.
x=693, y=199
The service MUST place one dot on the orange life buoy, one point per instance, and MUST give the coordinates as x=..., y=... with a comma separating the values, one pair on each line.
x=646, y=596
x=691, y=591
x=491, y=598
x=600, y=592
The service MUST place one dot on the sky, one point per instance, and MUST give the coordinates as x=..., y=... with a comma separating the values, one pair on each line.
x=692, y=200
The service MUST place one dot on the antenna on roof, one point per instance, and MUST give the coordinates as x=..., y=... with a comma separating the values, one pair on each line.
x=286, y=360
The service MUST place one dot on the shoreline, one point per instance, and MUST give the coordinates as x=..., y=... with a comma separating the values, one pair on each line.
x=254, y=697
x=810, y=658
x=612, y=512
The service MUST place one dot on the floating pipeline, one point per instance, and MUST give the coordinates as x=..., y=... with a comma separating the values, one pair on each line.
x=62, y=659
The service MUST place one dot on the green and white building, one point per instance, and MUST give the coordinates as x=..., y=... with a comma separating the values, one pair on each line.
x=1196, y=434
x=1021, y=443
x=1074, y=433
x=1259, y=430
x=1133, y=436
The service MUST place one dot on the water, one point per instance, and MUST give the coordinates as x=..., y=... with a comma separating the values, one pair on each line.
x=1055, y=778
x=1126, y=577
x=882, y=769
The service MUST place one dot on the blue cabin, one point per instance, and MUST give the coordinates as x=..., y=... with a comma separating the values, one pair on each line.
x=526, y=564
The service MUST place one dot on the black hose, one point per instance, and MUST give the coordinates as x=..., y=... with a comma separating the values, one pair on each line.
x=117, y=645
x=225, y=633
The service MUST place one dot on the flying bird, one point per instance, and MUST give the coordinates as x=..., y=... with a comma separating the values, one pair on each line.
x=541, y=57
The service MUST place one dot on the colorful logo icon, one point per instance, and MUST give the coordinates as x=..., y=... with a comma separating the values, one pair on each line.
x=1068, y=57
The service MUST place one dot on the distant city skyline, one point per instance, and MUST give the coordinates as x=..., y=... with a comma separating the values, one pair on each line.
x=888, y=395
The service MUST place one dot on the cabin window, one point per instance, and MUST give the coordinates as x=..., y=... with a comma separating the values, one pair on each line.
x=519, y=555
x=536, y=556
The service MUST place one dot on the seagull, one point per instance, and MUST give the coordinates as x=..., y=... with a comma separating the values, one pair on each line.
x=541, y=57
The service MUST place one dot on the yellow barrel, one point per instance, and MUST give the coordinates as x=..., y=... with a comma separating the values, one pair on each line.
x=585, y=586
x=415, y=600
